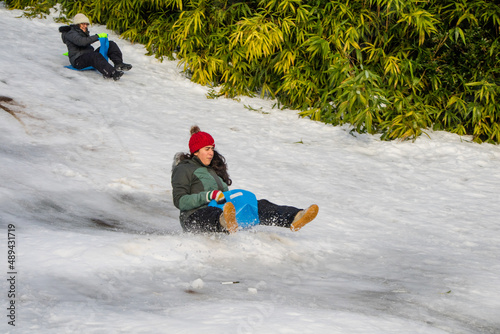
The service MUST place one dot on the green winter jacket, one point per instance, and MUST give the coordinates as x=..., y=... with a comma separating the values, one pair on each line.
x=191, y=181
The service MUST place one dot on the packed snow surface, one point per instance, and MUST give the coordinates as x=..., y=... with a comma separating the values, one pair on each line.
x=407, y=239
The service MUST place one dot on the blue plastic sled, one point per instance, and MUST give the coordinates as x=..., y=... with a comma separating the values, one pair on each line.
x=245, y=203
x=103, y=50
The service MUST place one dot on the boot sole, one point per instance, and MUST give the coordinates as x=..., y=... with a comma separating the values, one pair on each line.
x=124, y=69
x=308, y=216
x=229, y=213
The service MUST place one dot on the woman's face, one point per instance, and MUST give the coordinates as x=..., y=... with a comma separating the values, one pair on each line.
x=84, y=27
x=205, y=154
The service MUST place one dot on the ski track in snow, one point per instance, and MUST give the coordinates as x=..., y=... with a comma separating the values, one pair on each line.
x=406, y=240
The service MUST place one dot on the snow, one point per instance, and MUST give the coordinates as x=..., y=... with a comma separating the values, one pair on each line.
x=407, y=239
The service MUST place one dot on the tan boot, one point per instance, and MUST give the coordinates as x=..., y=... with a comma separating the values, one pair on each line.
x=228, y=218
x=303, y=217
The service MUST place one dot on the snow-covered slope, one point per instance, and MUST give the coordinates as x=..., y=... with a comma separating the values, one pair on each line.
x=407, y=239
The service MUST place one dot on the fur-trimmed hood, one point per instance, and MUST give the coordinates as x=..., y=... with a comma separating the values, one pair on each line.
x=178, y=157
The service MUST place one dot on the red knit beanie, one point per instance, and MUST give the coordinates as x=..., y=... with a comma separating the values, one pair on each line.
x=199, y=139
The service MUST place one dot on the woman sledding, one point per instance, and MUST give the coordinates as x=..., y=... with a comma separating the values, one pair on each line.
x=81, y=53
x=201, y=176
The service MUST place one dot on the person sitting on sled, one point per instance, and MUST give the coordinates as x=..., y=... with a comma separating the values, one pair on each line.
x=82, y=54
x=201, y=176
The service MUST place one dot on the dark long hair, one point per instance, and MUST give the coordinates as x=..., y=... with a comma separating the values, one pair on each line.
x=220, y=167
x=218, y=164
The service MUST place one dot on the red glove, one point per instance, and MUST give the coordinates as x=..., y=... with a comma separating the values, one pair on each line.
x=216, y=195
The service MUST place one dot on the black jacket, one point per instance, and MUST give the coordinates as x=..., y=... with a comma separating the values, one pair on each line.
x=77, y=40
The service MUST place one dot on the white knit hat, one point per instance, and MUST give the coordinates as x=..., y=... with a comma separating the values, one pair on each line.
x=80, y=18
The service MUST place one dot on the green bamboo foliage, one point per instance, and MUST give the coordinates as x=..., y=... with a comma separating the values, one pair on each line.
x=393, y=67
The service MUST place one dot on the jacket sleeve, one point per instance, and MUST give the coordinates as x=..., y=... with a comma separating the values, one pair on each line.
x=182, y=178
x=79, y=40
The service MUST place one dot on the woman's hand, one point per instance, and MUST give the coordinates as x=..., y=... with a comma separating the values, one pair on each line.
x=216, y=195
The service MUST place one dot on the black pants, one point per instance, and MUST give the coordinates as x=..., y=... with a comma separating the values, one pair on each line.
x=270, y=214
x=97, y=61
